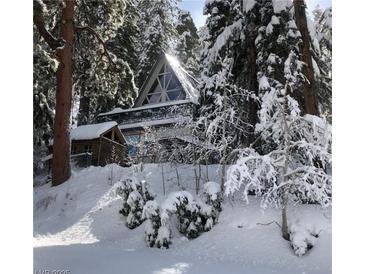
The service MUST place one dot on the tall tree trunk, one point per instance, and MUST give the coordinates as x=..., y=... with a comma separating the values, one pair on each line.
x=61, y=169
x=310, y=101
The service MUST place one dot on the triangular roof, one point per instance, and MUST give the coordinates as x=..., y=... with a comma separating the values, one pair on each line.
x=93, y=131
x=167, y=82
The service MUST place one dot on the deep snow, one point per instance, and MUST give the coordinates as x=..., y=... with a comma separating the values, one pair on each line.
x=77, y=227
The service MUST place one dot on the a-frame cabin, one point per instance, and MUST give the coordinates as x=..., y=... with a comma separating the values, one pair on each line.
x=167, y=97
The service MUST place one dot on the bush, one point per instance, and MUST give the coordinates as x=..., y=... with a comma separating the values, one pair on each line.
x=193, y=215
x=213, y=197
x=135, y=203
x=151, y=212
x=126, y=187
x=302, y=239
x=134, y=196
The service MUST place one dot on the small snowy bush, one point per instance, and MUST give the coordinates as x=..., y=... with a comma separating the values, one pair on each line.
x=213, y=197
x=146, y=191
x=134, y=196
x=151, y=212
x=163, y=237
x=135, y=202
x=126, y=187
x=302, y=239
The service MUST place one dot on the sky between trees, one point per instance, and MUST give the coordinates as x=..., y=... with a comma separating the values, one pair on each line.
x=196, y=8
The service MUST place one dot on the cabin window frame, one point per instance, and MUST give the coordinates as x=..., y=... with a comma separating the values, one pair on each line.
x=163, y=89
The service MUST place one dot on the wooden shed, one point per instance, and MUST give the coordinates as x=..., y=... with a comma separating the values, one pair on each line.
x=104, y=141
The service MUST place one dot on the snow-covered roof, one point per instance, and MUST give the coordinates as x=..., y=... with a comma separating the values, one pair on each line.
x=120, y=110
x=89, y=132
x=151, y=123
x=186, y=80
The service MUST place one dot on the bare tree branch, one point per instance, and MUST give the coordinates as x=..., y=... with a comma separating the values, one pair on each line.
x=270, y=223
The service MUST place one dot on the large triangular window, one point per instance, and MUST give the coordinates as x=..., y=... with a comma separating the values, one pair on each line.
x=166, y=87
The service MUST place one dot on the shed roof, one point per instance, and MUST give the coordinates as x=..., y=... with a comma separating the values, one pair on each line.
x=93, y=131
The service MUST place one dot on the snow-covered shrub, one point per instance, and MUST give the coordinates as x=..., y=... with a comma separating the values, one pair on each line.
x=134, y=195
x=135, y=203
x=302, y=239
x=146, y=191
x=163, y=239
x=213, y=197
x=194, y=216
x=126, y=187
x=187, y=211
x=151, y=212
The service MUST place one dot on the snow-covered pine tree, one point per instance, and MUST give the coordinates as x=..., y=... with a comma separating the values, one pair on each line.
x=187, y=42
x=157, y=33
x=223, y=116
x=323, y=60
x=103, y=76
x=44, y=89
x=105, y=17
x=298, y=169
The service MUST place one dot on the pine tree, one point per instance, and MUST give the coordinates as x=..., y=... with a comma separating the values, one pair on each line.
x=298, y=169
x=104, y=77
x=224, y=115
x=323, y=60
x=187, y=42
x=309, y=89
x=44, y=92
x=100, y=79
x=157, y=33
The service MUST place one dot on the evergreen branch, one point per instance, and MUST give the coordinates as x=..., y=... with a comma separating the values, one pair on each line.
x=38, y=19
x=100, y=40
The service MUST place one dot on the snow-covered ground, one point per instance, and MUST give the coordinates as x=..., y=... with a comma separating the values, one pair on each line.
x=77, y=227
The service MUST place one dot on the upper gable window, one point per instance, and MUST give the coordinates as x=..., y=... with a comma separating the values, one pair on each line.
x=166, y=87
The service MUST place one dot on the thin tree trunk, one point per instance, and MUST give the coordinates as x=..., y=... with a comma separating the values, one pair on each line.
x=163, y=180
x=283, y=178
x=206, y=170
x=177, y=176
x=61, y=169
x=284, y=223
x=310, y=100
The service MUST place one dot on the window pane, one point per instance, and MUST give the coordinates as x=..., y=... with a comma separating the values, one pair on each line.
x=174, y=83
x=154, y=86
x=154, y=98
x=174, y=94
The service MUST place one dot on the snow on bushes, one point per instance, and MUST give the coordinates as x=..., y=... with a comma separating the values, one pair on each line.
x=135, y=203
x=213, y=197
x=134, y=195
x=193, y=215
x=302, y=238
x=151, y=212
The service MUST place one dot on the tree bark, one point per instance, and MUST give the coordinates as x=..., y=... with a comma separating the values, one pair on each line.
x=253, y=87
x=61, y=169
x=310, y=100
x=284, y=224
